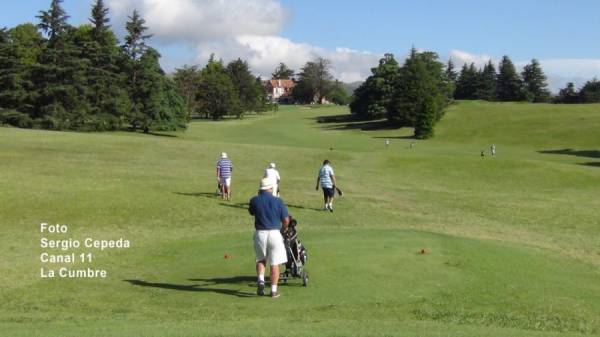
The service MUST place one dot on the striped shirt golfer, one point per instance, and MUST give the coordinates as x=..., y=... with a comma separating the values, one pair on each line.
x=224, y=166
x=325, y=174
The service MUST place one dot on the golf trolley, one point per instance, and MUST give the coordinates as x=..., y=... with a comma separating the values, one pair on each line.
x=296, y=255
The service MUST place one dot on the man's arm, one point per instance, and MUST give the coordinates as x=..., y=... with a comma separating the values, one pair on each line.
x=251, y=208
x=333, y=179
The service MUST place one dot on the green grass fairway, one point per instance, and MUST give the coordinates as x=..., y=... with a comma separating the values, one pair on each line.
x=512, y=242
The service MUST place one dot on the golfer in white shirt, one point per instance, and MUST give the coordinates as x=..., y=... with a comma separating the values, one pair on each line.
x=272, y=174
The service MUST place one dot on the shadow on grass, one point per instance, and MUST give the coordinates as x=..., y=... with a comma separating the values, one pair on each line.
x=161, y=134
x=572, y=152
x=395, y=137
x=211, y=195
x=351, y=122
x=200, y=287
x=241, y=205
x=592, y=163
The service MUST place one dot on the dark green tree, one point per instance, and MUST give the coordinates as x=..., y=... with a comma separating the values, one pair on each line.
x=53, y=22
x=509, y=85
x=156, y=104
x=282, y=72
x=249, y=94
x=486, y=88
x=372, y=98
x=467, y=83
x=420, y=95
x=217, y=96
x=535, y=84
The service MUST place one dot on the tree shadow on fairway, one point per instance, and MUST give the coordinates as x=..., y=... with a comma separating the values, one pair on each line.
x=195, y=287
x=395, y=137
x=572, y=152
x=352, y=122
x=591, y=163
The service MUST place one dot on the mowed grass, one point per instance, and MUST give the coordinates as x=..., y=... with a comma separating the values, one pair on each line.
x=512, y=243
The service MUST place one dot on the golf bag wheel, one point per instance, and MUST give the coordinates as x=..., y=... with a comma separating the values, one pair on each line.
x=305, y=278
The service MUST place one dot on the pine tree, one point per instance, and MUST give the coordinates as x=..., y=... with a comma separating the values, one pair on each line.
x=135, y=41
x=245, y=85
x=157, y=106
x=486, y=89
x=466, y=86
x=509, y=84
x=53, y=21
x=451, y=74
x=100, y=20
x=535, y=84
x=282, y=72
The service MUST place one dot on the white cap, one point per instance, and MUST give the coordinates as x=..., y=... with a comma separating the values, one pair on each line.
x=272, y=165
x=266, y=184
x=223, y=155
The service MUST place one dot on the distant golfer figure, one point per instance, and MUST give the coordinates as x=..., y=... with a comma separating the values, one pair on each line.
x=272, y=174
x=493, y=149
x=224, y=170
x=327, y=180
x=387, y=142
x=269, y=215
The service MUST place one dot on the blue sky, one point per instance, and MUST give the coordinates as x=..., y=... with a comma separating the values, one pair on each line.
x=563, y=35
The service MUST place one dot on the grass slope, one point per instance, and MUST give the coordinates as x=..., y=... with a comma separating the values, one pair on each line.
x=513, y=242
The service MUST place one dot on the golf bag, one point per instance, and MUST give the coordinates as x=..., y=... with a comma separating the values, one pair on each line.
x=296, y=255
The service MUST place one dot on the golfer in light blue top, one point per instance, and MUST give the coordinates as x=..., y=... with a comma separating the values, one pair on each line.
x=327, y=180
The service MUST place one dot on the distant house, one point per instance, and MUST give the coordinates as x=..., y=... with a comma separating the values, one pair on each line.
x=280, y=91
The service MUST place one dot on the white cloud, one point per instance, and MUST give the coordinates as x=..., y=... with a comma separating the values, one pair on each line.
x=264, y=53
x=237, y=28
x=193, y=21
x=461, y=57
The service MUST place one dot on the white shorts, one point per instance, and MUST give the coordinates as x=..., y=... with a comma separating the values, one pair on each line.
x=226, y=181
x=268, y=245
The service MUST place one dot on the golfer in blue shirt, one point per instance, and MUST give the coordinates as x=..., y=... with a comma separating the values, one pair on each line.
x=269, y=215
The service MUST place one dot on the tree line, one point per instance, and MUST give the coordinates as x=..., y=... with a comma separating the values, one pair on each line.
x=507, y=85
